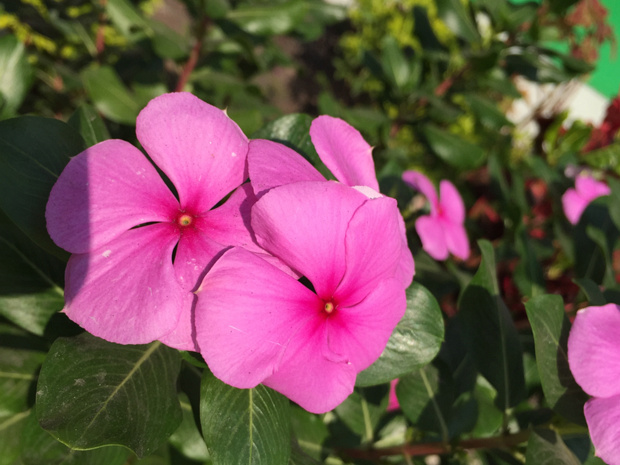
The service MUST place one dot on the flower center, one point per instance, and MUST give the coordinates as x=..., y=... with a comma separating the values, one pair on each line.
x=184, y=220
x=329, y=307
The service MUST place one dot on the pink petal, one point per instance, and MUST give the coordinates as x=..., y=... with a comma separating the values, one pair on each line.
x=248, y=313
x=451, y=202
x=573, y=205
x=196, y=145
x=183, y=336
x=373, y=247
x=431, y=232
x=229, y=224
x=456, y=239
x=102, y=192
x=393, y=400
x=310, y=374
x=589, y=188
x=344, y=151
x=406, y=265
x=271, y=164
x=126, y=291
x=360, y=332
x=594, y=350
x=304, y=225
x=603, y=418
x=424, y=185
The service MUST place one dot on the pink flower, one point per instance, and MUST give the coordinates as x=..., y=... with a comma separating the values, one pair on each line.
x=442, y=232
x=344, y=152
x=586, y=190
x=594, y=359
x=138, y=251
x=257, y=324
x=393, y=403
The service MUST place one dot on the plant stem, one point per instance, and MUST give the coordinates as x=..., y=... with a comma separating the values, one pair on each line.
x=191, y=62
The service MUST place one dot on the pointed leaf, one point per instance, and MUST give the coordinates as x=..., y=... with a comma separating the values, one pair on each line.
x=15, y=75
x=453, y=149
x=110, y=95
x=30, y=280
x=33, y=152
x=93, y=393
x=91, y=127
x=490, y=334
x=545, y=447
x=244, y=426
x=551, y=327
x=414, y=342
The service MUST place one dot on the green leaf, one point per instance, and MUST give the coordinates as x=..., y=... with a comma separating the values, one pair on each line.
x=268, y=19
x=310, y=431
x=489, y=333
x=244, y=426
x=18, y=374
x=33, y=153
x=426, y=398
x=415, y=341
x=545, y=447
x=40, y=448
x=93, y=393
x=453, y=149
x=187, y=438
x=394, y=63
x=127, y=19
x=15, y=75
x=591, y=290
x=456, y=17
x=551, y=327
x=294, y=131
x=11, y=434
x=30, y=280
x=91, y=127
x=362, y=410
x=168, y=43
x=109, y=94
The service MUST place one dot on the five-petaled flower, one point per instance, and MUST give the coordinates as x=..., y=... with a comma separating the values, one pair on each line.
x=594, y=359
x=115, y=214
x=586, y=190
x=442, y=232
x=258, y=324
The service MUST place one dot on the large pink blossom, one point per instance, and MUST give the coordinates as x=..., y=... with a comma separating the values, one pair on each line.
x=442, y=232
x=138, y=251
x=257, y=324
x=594, y=359
x=586, y=190
x=344, y=152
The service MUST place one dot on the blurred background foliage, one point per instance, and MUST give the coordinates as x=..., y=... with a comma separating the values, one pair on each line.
x=432, y=85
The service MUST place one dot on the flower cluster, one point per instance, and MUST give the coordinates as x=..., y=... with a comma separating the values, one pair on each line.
x=289, y=280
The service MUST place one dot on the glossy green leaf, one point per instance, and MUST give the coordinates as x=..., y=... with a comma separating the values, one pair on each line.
x=127, y=19
x=545, y=447
x=489, y=333
x=453, y=149
x=15, y=75
x=269, y=19
x=310, y=431
x=18, y=375
x=93, y=393
x=168, y=43
x=244, y=426
x=294, y=132
x=415, y=341
x=30, y=280
x=591, y=290
x=91, y=127
x=551, y=327
x=109, y=94
x=33, y=153
x=394, y=63
x=40, y=448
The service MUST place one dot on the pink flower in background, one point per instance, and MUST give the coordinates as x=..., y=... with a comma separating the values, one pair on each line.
x=123, y=225
x=586, y=190
x=257, y=324
x=594, y=359
x=393, y=403
x=442, y=232
x=344, y=152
